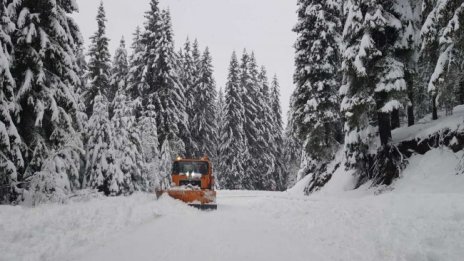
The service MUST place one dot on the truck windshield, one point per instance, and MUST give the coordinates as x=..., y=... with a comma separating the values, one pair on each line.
x=183, y=167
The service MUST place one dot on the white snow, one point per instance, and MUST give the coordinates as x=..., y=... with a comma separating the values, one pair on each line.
x=426, y=127
x=420, y=218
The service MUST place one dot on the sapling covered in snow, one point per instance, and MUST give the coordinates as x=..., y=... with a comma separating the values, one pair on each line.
x=126, y=148
x=166, y=159
x=150, y=146
x=100, y=160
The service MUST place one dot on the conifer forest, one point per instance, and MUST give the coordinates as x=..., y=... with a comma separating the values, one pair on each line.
x=232, y=130
x=76, y=117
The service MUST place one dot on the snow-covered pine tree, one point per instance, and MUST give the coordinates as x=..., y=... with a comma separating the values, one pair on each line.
x=99, y=62
x=188, y=80
x=277, y=135
x=162, y=86
x=233, y=140
x=150, y=146
x=100, y=161
x=220, y=118
x=119, y=71
x=443, y=41
x=11, y=159
x=126, y=149
x=175, y=126
x=292, y=152
x=80, y=89
x=136, y=67
x=375, y=86
x=248, y=84
x=46, y=73
x=315, y=103
x=165, y=165
x=203, y=123
x=268, y=159
x=407, y=45
x=197, y=62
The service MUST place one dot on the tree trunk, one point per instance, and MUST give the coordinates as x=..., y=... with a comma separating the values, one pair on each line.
x=411, y=119
x=384, y=128
x=434, y=107
x=410, y=88
x=395, y=119
x=461, y=92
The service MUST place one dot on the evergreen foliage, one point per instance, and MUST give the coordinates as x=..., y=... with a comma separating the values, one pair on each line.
x=136, y=67
x=119, y=72
x=100, y=162
x=315, y=103
x=203, y=124
x=45, y=71
x=233, y=139
x=99, y=63
x=161, y=84
x=11, y=159
x=442, y=49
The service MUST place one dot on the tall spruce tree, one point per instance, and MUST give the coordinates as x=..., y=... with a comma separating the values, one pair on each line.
x=46, y=73
x=136, y=67
x=277, y=135
x=442, y=49
x=375, y=85
x=203, y=123
x=315, y=102
x=233, y=140
x=268, y=159
x=99, y=63
x=188, y=80
x=161, y=84
x=220, y=120
x=248, y=85
x=119, y=72
x=11, y=159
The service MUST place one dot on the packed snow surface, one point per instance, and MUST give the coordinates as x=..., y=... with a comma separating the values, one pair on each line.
x=426, y=126
x=420, y=218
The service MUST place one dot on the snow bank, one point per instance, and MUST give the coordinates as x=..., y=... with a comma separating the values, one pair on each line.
x=433, y=172
x=299, y=187
x=426, y=127
x=56, y=232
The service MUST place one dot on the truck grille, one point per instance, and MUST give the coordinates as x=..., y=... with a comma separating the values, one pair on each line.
x=190, y=182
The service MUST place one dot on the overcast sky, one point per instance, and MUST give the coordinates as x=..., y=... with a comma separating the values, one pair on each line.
x=264, y=26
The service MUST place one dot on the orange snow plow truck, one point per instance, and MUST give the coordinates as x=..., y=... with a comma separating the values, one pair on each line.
x=193, y=183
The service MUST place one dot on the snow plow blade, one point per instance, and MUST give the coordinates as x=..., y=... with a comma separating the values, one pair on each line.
x=204, y=206
x=201, y=199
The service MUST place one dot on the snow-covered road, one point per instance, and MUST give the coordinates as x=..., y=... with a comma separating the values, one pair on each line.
x=279, y=226
x=245, y=227
x=419, y=218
